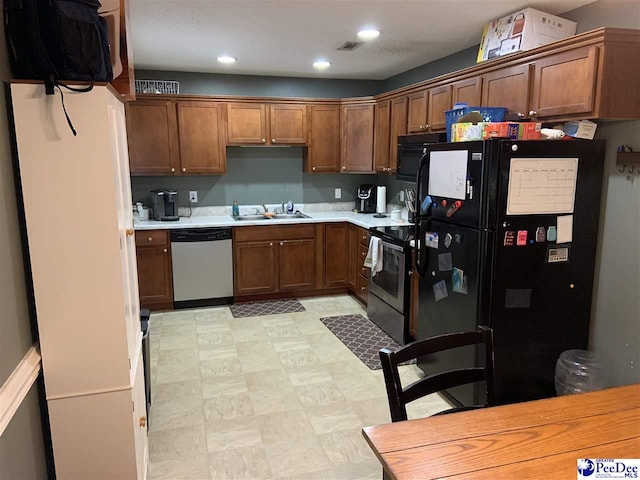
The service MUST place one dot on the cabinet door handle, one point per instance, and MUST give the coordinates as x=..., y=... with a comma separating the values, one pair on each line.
x=271, y=244
x=344, y=167
x=150, y=239
x=173, y=169
x=532, y=113
x=363, y=288
x=273, y=140
x=264, y=140
x=184, y=169
x=314, y=169
x=165, y=251
x=427, y=126
x=129, y=232
x=282, y=244
x=520, y=115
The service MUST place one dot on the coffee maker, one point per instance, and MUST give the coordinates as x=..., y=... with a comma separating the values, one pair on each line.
x=366, y=198
x=165, y=205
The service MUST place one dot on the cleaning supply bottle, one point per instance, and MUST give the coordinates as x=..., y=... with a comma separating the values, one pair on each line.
x=235, y=211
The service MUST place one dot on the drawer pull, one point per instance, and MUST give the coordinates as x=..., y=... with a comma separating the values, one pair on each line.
x=165, y=251
x=363, y=288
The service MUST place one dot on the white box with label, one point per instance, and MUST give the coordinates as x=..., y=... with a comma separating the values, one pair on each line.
x=522, y=30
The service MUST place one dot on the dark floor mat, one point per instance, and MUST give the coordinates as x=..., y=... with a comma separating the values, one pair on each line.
x=269, y=307
x=361, y=336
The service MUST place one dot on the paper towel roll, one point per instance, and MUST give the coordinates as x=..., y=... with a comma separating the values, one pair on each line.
x=381, y=196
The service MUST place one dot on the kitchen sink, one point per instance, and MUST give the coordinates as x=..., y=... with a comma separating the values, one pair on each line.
x=277, y=216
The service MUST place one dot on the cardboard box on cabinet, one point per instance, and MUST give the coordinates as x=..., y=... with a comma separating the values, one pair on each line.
x=522, y=30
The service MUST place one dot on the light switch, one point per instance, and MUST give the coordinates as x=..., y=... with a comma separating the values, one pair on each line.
x=338, y=193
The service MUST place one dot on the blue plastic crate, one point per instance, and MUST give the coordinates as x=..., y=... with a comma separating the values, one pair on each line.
x=489, y=114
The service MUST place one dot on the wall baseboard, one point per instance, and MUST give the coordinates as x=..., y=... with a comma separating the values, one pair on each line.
x=17, y=386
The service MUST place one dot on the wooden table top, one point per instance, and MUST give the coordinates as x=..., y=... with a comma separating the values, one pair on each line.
x=530, y=440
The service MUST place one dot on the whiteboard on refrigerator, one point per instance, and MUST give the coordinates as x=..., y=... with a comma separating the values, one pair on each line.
x=542, y=186
x=448, y=174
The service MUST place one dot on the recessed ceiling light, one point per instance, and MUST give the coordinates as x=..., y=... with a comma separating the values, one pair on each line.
x=227, y=59
x=368, y=34
x=321, y=64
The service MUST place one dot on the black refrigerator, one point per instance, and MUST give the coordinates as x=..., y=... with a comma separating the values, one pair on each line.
x=506, y=237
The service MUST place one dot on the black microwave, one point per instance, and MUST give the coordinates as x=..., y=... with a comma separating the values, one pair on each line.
x=411, y=148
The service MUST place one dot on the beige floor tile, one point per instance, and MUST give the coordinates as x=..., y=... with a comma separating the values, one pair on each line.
x=304, y=356
x=178, y=317
x=310, y=325
x=319, y=394
x=275, y=401
x=176, y=372
x=278, y=427
x=226, y=407
x=178, y=330
x=176, y=413
x=212, y=314
x=173, y=342
x=306, y=374
x=223, y=385
x=211, y=326
x=373, y=411
x=239, y=463
x=177, y=355
x=166, y=392
x=367, y=470
x=259, y=363
x=334, y=417
x=177, y=443
x=220, y=367
x=276, y=320
x=235, y=433
x=217, y=352
x=291, y=343
x=188, y=468
x=295, y=457
x=255, y=347
x=346, y=447
x=283, y=331
x=267, y=380
x=207, y=338
x=250, y=333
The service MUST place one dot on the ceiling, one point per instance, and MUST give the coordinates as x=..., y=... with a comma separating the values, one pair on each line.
x=284, y=37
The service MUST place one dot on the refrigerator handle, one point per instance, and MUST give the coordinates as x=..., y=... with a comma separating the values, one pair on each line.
x=420, y=246
x=419, y=198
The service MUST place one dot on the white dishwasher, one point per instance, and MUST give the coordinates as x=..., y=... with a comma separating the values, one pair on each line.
x=202, y=260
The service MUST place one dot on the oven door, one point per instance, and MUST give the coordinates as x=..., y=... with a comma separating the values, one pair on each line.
x=388, y=284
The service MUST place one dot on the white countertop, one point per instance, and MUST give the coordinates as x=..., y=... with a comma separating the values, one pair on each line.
x=364, y=220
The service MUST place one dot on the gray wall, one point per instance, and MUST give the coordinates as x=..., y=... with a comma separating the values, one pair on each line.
x=21, y=446
x=262, y=85
x=256, y=175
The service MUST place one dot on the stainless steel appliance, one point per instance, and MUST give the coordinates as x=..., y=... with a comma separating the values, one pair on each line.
x=410, y=151
x=366, y=198
x=165, y=205
x=202, y=260
x=507, y=232
x=389, y=292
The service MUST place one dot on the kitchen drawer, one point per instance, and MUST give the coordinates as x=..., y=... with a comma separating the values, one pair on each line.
x=364, y=271
x=152, y=238
x=363, y=249
x=363, y=286
x=273, y=232
x=363, y=235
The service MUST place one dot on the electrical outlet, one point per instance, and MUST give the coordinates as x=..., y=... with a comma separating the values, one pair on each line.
x=338, y=193
x=193, y=196
x=402, y=195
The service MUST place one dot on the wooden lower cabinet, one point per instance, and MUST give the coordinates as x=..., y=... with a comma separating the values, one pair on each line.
x=155, y=283
x=336, y=254
x=274, y=259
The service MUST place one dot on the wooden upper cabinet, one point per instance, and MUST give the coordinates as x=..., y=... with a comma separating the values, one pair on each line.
x=467, y=91
x=439, y=101
x=398, y=127
x=266, y=124
x=357, y=138
x=323, y=154
x=565, y=83
x=288, y=124
x=202, y=137
x=381, y=136
x=508, y=87
x=417, y=113
x=246, y=123
x=152, y=131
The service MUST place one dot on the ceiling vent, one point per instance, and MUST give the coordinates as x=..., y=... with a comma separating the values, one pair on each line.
x=349, y=46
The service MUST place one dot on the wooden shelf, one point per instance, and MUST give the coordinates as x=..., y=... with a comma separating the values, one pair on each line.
x=628, y=158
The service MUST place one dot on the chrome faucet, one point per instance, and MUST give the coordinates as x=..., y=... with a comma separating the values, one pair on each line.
x=265, y=208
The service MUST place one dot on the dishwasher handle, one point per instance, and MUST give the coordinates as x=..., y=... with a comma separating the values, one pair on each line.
x=200, y=235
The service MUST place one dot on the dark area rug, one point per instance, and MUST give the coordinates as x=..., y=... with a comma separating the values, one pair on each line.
x=268, y=307
x=361, y=336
